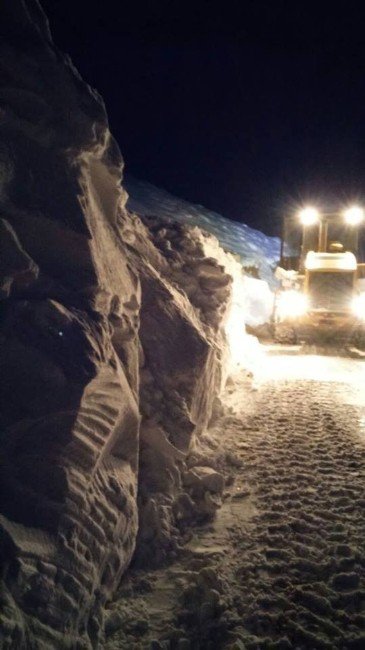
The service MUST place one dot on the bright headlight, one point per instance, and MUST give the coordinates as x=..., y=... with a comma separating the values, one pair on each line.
x=354, y=215
x=358, y=306
x=309, y=216
x=291, y=304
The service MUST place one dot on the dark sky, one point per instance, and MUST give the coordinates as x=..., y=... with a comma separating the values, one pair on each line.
x=248, y=107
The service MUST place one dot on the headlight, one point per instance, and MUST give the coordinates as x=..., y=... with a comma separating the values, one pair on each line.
x=354, y=215
x=291, y=304
x=358, y=306
x=309, y=216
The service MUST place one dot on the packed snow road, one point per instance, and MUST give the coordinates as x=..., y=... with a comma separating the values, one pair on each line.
x=283, y=565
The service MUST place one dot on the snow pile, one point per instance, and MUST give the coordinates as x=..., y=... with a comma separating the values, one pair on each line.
x=242, y=250
x=69, y=354
x=254, y=249
x=186, y=281
x=251, y=303
x=114, y=334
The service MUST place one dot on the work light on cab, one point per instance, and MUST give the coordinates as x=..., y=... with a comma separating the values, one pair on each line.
x=354, y=215
x=309, y=216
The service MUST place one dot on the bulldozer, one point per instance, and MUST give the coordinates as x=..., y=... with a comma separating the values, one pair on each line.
x=321, y=277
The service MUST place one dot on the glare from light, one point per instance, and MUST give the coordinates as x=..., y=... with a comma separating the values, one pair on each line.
x=315, y=368
x=309, y=216
x=358, y=306
x=354, y=215
x=291, y=304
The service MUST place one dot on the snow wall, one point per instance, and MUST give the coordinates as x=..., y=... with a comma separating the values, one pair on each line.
x=255, y=250
x=113, y=350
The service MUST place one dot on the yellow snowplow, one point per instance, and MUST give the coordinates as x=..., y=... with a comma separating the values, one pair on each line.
x=321, y=298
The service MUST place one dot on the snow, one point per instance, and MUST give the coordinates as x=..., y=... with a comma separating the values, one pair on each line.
x=251, y=304
x=281, y=566
x=295, y=365
x=258, y=301
x=252, y=300
x=252, y=246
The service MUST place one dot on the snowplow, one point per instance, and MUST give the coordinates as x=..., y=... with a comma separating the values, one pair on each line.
x=321, y=295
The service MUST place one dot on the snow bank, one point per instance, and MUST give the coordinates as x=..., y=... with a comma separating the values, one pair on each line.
x=69, y=354
x=194, y=305
x=186, y=299
x=239, y=248
x=254, y=248
x=118, y=334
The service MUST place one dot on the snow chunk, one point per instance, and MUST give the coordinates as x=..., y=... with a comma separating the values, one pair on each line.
x=204, y=478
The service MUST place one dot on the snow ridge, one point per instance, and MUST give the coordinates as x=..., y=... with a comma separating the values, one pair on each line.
x=254, y=247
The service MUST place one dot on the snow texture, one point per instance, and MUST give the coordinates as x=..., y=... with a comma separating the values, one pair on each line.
x=254, y=249
x=68, y=403
x=282, y=566
x=186, y=301
x=114, y=348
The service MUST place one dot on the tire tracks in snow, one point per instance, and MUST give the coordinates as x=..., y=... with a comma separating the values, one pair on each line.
x=303, y=585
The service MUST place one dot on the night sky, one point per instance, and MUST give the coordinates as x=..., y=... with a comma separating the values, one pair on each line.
x=249, y=108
